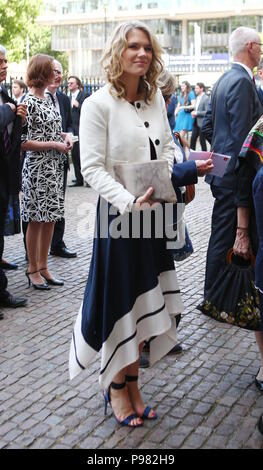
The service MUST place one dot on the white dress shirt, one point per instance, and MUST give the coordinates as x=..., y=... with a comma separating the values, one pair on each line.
x=249, y=71
x=74, y=96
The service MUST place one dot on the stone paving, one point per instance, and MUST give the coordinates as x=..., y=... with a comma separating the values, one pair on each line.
x=205, y=398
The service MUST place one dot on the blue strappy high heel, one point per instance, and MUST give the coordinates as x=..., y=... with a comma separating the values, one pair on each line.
x=147, y=409
x=107, y=400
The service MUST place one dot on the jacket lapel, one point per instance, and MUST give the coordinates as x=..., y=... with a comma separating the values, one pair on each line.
x=5, y=96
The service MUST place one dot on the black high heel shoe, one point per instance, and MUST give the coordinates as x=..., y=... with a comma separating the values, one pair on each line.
x=107, y=399
x=52, y=281
x=147, y=409
x=260, y=424
x=36, y=286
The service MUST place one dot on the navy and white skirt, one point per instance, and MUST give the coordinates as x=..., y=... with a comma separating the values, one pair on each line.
x=132, y=295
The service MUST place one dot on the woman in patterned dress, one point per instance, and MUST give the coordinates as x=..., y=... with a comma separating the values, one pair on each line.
x=42, y=176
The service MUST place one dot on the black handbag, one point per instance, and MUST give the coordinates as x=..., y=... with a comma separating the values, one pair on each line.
x=233, y=298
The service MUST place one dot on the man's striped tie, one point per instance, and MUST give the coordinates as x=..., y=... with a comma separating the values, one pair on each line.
x=7, y=142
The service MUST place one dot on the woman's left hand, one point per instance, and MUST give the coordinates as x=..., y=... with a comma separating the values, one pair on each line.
x=242, y=244
x=68, y=141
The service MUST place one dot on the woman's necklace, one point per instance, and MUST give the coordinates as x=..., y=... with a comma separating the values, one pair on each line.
x=37, y=95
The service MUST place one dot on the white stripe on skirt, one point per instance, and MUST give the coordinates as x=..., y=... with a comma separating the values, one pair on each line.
x=152, y=315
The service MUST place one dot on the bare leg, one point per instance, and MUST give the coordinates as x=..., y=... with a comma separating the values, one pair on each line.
x=134, y=392
x=120, y=400
x=46, y=235
x=33, y=244
x=259, y=339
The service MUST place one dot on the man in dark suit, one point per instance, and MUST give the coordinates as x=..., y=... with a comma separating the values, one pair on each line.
x=260, y=76
x=198, y=114
x=11, y=117
x=77, y=97
x=62, y=103
x=233, y=109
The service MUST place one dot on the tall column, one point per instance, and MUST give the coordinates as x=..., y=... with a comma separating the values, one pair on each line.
x=184, y=38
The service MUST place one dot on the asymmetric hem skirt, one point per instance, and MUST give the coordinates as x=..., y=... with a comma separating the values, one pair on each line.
x=132, y=295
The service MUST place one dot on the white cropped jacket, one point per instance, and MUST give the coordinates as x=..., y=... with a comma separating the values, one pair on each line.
x=113, y=131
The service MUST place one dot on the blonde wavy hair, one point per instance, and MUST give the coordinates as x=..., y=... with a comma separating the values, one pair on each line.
x=111, y=61
x=167, y=83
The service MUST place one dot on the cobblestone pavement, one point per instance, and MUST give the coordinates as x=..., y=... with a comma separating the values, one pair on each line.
x=205, y=398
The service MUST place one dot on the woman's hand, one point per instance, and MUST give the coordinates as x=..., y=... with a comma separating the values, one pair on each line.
x=21, y=110
x=144, y=202
x=204, y=166
x=242, y=244
x=61, y=147
x=68, y=140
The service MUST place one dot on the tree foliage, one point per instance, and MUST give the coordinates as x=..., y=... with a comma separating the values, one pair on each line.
x=17, y=21
x=40, y=42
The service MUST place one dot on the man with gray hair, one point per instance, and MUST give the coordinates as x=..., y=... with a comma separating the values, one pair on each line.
x=233, y=109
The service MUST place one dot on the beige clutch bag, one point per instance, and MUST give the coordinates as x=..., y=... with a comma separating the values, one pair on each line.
x=138, y=177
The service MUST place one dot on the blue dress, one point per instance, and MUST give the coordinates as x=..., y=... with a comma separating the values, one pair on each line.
x=184, y=121
x=132, y=294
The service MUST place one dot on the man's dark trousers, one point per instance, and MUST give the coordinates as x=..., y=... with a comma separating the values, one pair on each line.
x=224, y=220
x=196, y=132
x=59, y=228
x=3, y=279
x=76, y=163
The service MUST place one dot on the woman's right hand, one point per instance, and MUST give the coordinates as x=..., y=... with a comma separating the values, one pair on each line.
x=144, y=201
x=204, y=166
x=61, y=147
x=242, y=245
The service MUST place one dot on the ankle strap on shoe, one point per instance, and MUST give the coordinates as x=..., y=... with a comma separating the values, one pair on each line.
x=117, y=386
x=131, y=378
x=32, y=272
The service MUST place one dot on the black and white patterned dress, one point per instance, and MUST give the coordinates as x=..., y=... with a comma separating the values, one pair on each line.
x=42, y=174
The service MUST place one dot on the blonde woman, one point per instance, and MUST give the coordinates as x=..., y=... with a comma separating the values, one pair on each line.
x=131, y=293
